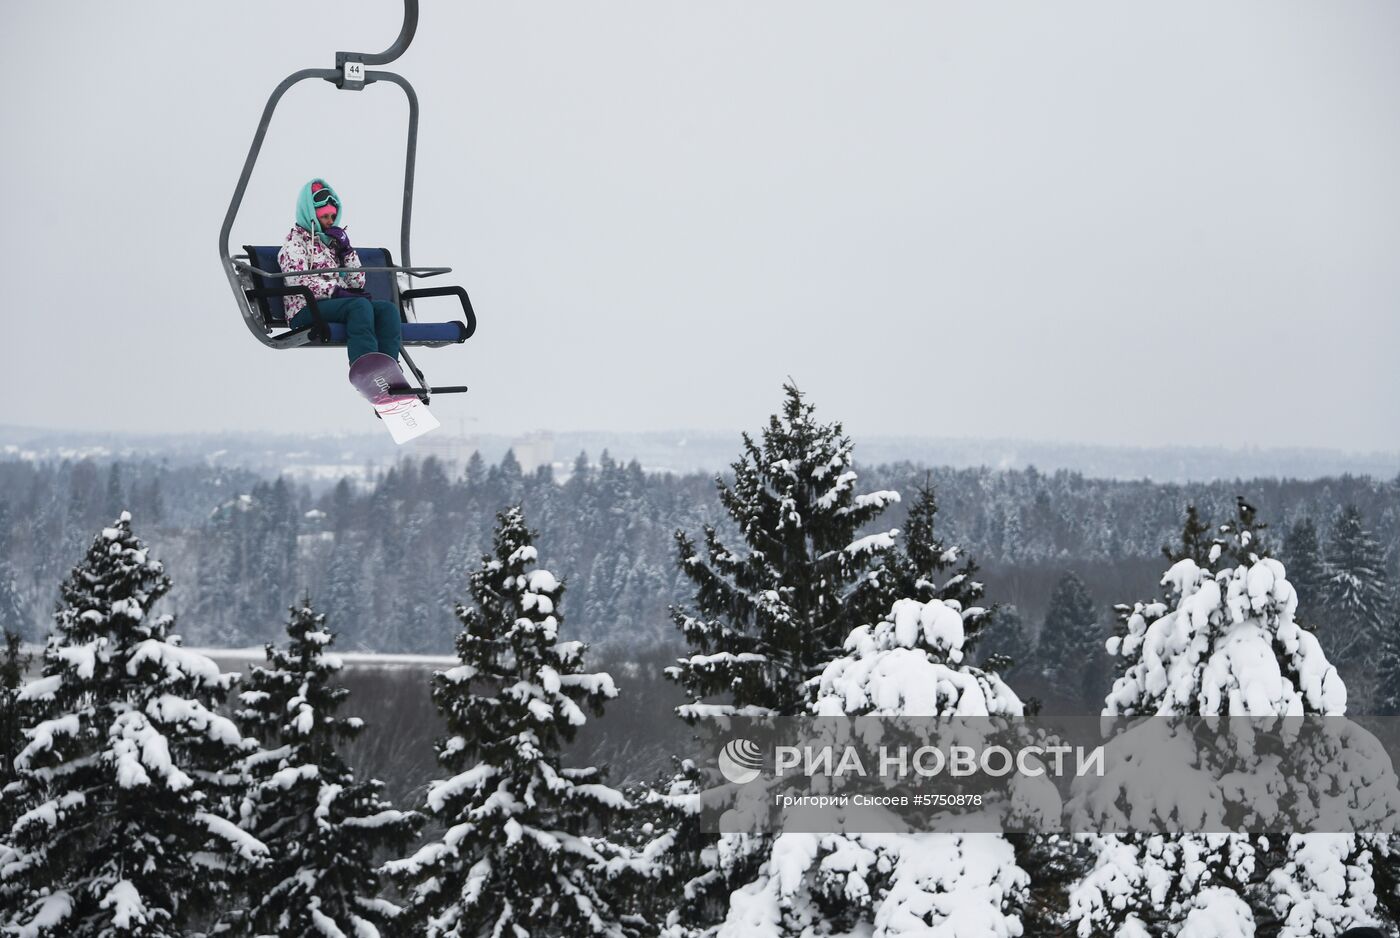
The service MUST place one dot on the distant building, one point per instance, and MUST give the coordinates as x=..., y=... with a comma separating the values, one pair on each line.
x=449, y=447
x=534, y=450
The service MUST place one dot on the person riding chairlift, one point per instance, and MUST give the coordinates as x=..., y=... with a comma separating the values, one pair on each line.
x=318, y=242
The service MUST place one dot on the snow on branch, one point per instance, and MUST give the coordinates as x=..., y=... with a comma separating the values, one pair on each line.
x=178, y=663
x=440, y=792
x=246, y=845
x=872, y=543
x=41, y=738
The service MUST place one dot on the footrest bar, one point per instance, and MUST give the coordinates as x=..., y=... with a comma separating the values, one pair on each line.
x=423, y=394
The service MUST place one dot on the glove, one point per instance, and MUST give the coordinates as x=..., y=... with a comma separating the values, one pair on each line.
x=340, y=239
x=343, y=293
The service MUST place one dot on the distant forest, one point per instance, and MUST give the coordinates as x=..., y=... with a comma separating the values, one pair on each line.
x=387, y=560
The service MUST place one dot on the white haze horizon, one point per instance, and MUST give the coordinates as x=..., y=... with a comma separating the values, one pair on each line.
x=681, y=433
x=685, y=450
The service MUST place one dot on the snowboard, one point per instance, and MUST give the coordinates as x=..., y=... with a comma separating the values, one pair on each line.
x=378, y=378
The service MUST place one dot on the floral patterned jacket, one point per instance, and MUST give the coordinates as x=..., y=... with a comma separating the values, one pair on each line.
x=302, y=250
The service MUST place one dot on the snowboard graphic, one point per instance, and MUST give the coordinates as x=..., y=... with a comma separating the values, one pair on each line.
x=377, y=377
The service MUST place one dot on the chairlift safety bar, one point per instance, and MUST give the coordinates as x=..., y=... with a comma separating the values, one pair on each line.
x=411, y=271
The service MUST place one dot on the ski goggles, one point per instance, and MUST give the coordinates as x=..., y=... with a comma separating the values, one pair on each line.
x=324, y=196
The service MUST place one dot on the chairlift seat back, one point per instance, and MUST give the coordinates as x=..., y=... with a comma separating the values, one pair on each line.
x=382, y=285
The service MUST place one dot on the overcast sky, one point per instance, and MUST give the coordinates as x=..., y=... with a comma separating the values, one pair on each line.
x=1080, y=221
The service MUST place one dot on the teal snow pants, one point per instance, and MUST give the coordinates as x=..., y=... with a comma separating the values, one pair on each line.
x=370, y=325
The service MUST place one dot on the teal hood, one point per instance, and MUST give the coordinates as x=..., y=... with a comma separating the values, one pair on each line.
x=306, y=210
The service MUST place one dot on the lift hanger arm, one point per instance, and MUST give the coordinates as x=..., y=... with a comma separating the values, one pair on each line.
x=351, y=65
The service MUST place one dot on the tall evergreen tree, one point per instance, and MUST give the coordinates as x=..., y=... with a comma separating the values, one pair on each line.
x=926, y=568
x=341, y=509
x=13, y=662
x=475, y=472
x=1237, y=548
x=116, y=496
x=126, y=771
x=155, y=501
x=321, y=824
x=1195, y=542
x=1388, y=670
x=1005, y=647
x=1357, y=590
x=13, y=615
x=769, y=616
x=219, y=571
x=505, y=481
x=1302, y=552
x=1203, y=650
x=523, y=852
x=345, y=589
x=274, y=554
x=1070, y=652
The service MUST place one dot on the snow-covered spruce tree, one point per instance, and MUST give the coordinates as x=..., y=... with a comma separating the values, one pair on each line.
x=322, y=826
x=913, y=662
x=1223, y=642
x=522, y=853
x=884, y=885
x=127, y=768
x=925, y=568
x=768, y=616
x=1357, y=590
x=664, y=878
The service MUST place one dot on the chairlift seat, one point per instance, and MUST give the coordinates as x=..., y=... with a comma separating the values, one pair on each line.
x=381, y=285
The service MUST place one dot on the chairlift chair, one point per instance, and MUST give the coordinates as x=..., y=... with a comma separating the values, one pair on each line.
x=259, y=285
